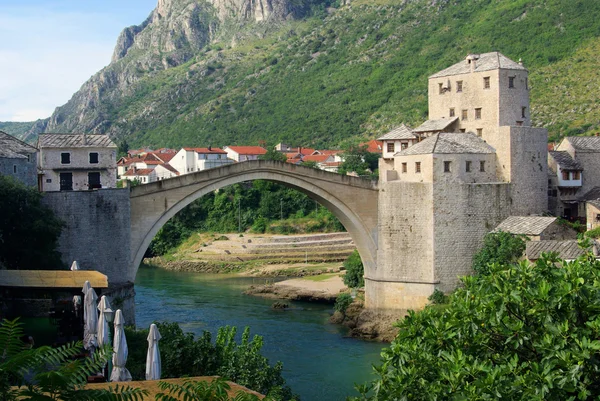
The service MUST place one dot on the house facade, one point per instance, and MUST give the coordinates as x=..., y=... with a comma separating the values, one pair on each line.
x=189, y=160
x=18, y=160
x=76, y=162
x=244, y=153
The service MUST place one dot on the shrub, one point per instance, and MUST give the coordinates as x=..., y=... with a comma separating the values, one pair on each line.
x=342, y=302
x=260, y=225
x=438, y=297
x=354, y=271
x=500, y=247
x=595, y=233
x=521, y=332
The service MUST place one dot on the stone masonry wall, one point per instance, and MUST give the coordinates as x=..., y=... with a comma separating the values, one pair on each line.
x=97, y=230
x=26, y=170
x=463, y=214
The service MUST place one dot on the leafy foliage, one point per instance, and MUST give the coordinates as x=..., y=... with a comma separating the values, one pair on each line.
x=354, y=271
x=273, y=155
x=54, y=375
x=28, y=230
x=500, y=247
x=202, y=391
x=182, y=354
x=521, y=332
x=438, y=297
x=342, y=302
x=594, y=233
x=356, y=159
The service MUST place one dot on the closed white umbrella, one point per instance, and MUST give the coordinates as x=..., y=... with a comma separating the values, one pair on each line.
x=103, y=320
x=74, y=266
x=120, y=351
x=153, y=357
x=86, y=287
x=90, y=329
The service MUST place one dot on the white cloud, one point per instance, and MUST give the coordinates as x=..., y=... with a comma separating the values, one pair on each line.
x=46, y=56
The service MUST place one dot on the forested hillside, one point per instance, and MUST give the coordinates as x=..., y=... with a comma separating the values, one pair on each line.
x=357, y=70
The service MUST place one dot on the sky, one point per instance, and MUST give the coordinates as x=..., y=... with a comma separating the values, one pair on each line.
x=49, y=48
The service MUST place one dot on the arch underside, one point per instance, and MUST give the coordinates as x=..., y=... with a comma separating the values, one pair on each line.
x=362, y=235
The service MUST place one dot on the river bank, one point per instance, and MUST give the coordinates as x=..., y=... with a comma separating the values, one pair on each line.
x=317, y=279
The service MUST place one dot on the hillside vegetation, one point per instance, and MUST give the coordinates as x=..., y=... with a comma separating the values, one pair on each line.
x=354, y=71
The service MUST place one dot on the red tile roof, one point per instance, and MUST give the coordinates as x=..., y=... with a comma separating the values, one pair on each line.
x=316, y=158
x=329, y=152
x=248, y=150
x=142, y=171
x=207, y=150
x=374, y=146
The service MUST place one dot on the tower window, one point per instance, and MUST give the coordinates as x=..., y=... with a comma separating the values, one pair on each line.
x=565, y=175
x=576, y=175
x=523, y=110
x=65, y=158
x=390, y=147
x=447, y=166
x=526, y=83
x=14, y=168
x=511, y=82
x=465, y=114
x=459, y=86
x=452, y=113
x=93, y=157
x=403, y=145
x=479, y=132
x=478, y=113
x=519, y=123
x=486, y=82
x=482, y=165
x=417, y=167
x=404, y=167
x=468, y=166
x=441, y=86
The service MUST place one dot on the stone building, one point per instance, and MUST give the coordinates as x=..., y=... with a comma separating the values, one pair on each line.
x=18, y=160
x=76, y=162
x=476, y=161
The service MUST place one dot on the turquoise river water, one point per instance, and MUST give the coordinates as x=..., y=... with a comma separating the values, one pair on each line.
x=320, y=362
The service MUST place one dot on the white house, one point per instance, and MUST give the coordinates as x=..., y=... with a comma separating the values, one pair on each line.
x=189, y=160
x=76, y=162
x=244, y=153
x=397, y=140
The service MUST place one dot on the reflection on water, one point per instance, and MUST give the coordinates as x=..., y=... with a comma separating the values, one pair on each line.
x=320, y=363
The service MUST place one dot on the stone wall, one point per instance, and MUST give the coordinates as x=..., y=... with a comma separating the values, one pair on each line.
x=592, y=216
x=122, y=296
x=26, y=169
x=462, y=215
x=97, y=230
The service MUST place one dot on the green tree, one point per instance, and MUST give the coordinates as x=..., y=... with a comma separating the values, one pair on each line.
x=357, y=159
x=29, y=231
x=522, y=332
x=354, y=271
x=123, y=148
x=500, y=247
x=273, y=155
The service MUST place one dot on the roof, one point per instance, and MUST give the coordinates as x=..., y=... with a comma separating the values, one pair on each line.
x=316, y=158
x=374, y=146
x=565, y=161
x=52, y=278
x=13, y=148
x=167, y=166
x=448, y=143
x=248, y=150
x=329, y=152
x=568, y=249
x=591, y=195
x=483, y=62
x=74, y=141
x=585, y=144
x=401, y=132
x=436, y=125
x=528, y=225
x=207, y=150
x=139, y=172
x=165, y=156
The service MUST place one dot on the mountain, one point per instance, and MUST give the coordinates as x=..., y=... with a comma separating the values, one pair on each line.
x=26, y=131
x=318, y=73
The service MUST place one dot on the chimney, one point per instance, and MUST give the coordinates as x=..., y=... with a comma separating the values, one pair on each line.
x=520, y=61
x=472, y=61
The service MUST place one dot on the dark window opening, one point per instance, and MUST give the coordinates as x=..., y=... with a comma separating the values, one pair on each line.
x=452, y=112
x=479, y=131
x=447, y=167
x=511, y=82
x=465, y=114
x=94, y=180
x=468, y=166
x=65, y=158
x=404, y=167
x=565, y=175
x=482, y=165
x=478, y=113
x=486, y=82
x=459, y=86
x=390, y=147
x=519, y=123
x=48, y=180
x=403, y=145
x=523, y=110
x=576, y=175
x=417, y=167
x=14, y=168
x=94, y=158
x=66, y=181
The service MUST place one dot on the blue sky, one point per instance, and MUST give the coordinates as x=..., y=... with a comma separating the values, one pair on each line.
x=49, y=48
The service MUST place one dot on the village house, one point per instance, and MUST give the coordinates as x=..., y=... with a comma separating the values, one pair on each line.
x=189, y=160
x=18, y=160
x=573, y=179
x=244, y=153
x=472, y=164
x=76, y=162
x=397, y=140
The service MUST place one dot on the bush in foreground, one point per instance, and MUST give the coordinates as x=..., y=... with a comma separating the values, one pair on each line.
x=354, y=271
x=522, y=332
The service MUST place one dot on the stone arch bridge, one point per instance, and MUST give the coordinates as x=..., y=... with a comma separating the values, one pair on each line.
x=352, y=200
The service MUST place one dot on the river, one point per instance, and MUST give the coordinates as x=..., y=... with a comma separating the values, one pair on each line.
x=320, y=362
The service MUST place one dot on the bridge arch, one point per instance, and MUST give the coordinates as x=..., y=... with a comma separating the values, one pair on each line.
x=352, y=200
